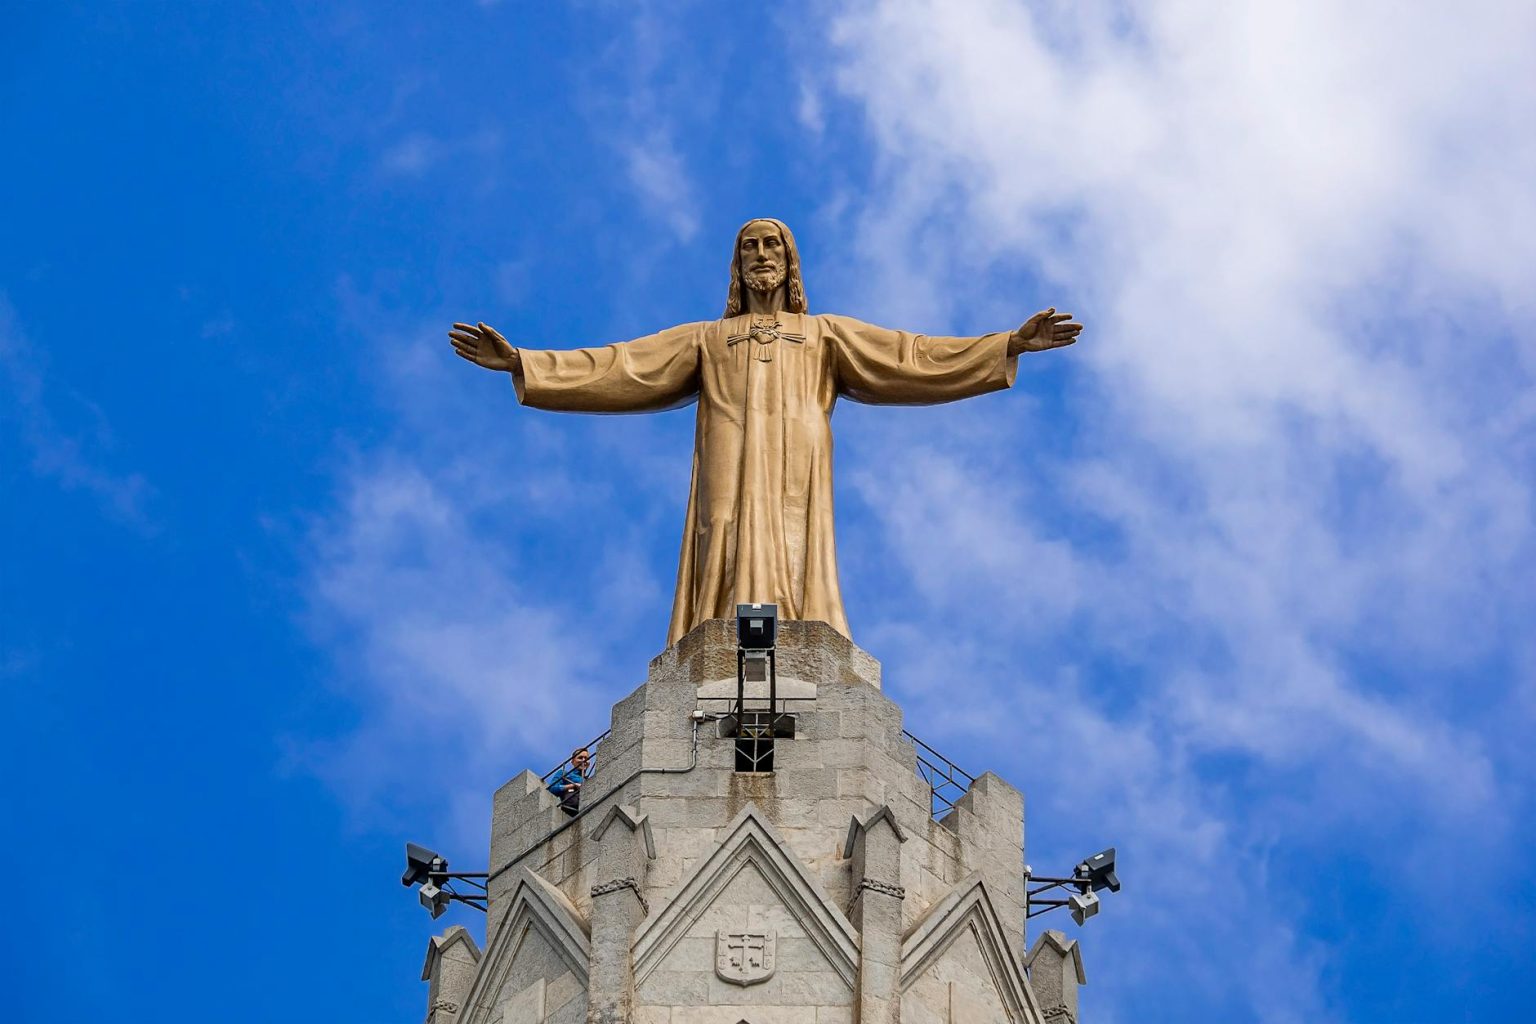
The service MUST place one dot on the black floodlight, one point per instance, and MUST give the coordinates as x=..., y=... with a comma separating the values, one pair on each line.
x=1099, y=871
x=420, y=864
x=1084, y=905
x=438, y=886
x=757, y=626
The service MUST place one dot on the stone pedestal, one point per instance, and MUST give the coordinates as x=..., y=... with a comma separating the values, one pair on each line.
x=823, y=891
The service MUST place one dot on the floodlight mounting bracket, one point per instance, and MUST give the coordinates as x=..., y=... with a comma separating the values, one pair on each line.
x=1033, y=897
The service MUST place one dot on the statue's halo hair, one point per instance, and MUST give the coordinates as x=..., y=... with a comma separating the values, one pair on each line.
x=794, y=286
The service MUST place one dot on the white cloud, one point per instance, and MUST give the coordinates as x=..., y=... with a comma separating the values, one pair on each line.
x=1229, y=195
x=1282, y=511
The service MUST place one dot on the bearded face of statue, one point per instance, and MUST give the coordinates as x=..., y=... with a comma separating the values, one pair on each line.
x=765, y=270
x=764, y=258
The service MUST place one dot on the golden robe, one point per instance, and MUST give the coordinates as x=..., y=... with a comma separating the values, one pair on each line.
x=759, y=525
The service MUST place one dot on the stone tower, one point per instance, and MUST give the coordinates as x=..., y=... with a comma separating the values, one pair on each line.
x=822, y=888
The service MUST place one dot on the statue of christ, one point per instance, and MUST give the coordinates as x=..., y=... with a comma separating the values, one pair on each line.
x=766, y=376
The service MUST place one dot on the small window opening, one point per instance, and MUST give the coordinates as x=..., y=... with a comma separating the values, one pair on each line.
x=754, y=749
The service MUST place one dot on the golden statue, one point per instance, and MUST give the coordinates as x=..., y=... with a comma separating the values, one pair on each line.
x=766, y=376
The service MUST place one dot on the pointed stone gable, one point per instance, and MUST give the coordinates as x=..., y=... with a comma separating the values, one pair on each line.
x=540, y=951
x=630, y=819
x=456, y=941
x=1055, y=967
x=1064, y=948
x=450, y=967
x=859, y=826
x=959, y=947
x=751, y=870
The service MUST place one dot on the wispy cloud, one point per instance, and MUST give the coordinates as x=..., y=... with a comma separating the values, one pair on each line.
x=661, y=94
x=661, y=179
x=442, y=582
x=417, y=153
x=453, y=664
x=65, y=452
x=410, y=156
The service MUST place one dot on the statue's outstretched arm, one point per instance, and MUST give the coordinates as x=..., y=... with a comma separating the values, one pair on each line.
x=880, y=366
x=659, y=371
x=885, y=367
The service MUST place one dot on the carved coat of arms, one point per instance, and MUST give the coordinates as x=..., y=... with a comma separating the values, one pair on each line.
x=744, y=958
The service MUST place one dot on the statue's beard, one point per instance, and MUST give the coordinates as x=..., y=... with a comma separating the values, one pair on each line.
x=764, y=280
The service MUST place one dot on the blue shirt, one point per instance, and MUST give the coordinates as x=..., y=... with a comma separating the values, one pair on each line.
x=558, y=783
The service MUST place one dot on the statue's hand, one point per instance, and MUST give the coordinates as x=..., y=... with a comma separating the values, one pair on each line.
x=484, y=346
x=1044, y=330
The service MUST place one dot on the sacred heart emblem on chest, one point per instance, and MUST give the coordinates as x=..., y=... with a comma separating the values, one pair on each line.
x=763, y=330
x=744, y=958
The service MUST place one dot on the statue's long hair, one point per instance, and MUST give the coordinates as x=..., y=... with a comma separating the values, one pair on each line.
x=794, y=287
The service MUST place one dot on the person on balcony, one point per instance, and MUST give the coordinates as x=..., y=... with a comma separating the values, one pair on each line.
x=566, y=784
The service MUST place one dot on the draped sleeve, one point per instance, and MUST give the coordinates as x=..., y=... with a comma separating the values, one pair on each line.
x=885, y=367
x=660, y=371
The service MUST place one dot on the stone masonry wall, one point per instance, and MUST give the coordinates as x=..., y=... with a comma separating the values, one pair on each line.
x=848, y=759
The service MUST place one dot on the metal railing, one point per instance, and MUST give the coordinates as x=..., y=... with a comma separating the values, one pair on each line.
x=947, y=781
x=591, y=749
x=778, y=705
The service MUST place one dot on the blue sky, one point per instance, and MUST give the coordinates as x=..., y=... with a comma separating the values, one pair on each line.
x=1240, y=583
